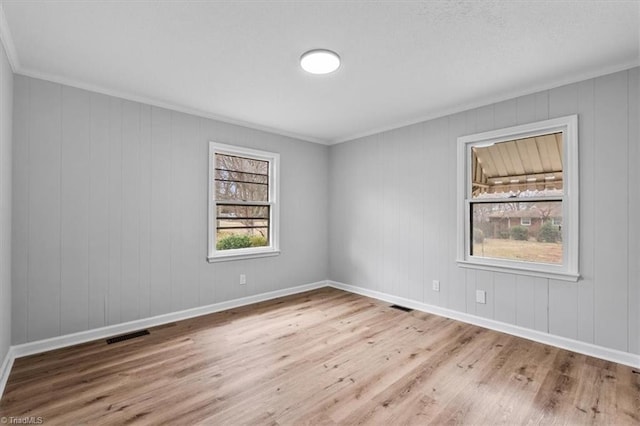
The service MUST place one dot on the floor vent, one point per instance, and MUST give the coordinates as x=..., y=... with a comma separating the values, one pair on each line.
x=401, y=308
x=127, y=336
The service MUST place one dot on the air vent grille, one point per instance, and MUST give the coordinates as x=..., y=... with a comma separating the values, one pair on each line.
x=127, y=336
x=401, y=308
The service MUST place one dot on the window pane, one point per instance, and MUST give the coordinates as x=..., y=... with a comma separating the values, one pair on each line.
x=530, y=167
x=497, y=231
x=241, y=226
x=235, y=191
x=242, y=164
x=242, y=179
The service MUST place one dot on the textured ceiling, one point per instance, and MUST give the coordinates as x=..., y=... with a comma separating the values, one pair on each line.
x=238, y=61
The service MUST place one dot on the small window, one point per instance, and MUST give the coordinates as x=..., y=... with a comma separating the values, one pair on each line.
x=516, y=186
x=243, y=209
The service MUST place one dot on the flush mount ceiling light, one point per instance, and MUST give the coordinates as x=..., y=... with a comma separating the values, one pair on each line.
x=320, y=61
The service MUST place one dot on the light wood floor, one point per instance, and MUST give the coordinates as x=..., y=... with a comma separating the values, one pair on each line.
x=322, y=357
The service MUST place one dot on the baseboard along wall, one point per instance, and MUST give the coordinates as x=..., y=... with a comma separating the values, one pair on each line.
x=584, y=348
x=31, y=348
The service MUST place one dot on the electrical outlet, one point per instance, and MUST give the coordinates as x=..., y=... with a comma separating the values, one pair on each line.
x=243, y=279
x=435, y=285
x=481, y=296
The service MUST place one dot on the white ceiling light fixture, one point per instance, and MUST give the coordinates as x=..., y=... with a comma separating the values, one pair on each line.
x=320, y=61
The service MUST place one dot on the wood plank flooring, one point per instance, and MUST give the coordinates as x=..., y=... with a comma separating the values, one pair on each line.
x=321, y=357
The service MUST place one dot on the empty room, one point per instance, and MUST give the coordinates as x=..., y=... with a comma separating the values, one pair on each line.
x=319, y=212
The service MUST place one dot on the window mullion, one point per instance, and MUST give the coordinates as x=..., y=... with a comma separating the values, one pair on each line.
x=514, y=200
x=242, y=203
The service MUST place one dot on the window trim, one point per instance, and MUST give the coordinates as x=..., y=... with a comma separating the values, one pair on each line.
x=568, y=271
x=273, y=159
x=523, y=223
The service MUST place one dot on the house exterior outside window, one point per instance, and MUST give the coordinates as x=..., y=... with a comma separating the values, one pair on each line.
x=243, y=203
x=516, y=187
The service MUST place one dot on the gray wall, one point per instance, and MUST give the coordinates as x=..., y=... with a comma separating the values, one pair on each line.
x=6, y=123
x=393, y=216
x=110, y=212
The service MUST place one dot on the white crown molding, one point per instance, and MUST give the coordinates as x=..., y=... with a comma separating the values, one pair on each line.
x=163, y=104
x=610, y=69
x=13, y=59
x=601, y=352
x=7, y=41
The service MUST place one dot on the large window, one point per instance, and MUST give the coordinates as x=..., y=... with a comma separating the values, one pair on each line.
x=518, y=199
x=243, y=208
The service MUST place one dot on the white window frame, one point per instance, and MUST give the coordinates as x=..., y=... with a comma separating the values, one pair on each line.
x=273, y=159
x=525, y=221
x=568, y=271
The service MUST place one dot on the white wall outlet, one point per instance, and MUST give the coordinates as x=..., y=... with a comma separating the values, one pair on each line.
x=481, y=296
x=243, y=279
x=435, y=285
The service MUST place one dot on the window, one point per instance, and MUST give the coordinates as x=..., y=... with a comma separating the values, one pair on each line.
x=516, y=186
x=243, y=207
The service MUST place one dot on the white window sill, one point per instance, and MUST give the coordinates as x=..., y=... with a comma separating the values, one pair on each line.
x=555, y=275
x=240, y=256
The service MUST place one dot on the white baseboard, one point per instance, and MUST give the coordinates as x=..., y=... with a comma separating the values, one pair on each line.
x=58, y=342
x=537, y=336
x=5, y=369
x=112, y=330
x=39, y=346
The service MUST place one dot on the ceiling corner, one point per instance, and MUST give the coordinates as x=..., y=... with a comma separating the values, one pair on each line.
x=7, y=41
